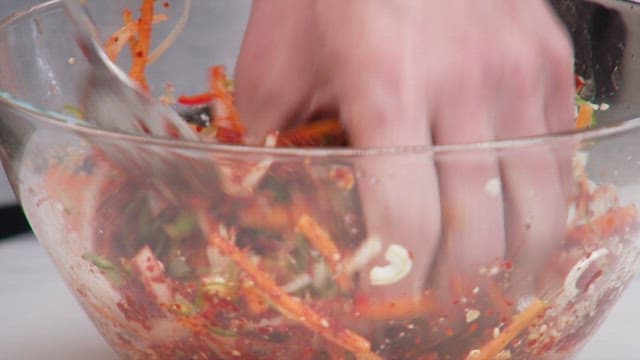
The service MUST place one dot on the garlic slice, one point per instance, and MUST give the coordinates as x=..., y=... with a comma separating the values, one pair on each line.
x=570, y=282
x=400, y=264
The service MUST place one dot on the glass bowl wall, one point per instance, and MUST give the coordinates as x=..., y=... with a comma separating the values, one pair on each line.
x=179, y=249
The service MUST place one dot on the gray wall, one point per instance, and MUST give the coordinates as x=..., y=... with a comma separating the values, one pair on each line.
x=7, y=7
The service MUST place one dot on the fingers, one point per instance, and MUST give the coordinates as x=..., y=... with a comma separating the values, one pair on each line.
x=399, y=191
x=487, y=84
x=272, y=86
x=536, y=209
x=471, y=200
x=510, y=202
x=535, y=195
x=402, y=207
x=538, y=180
x=559, y=112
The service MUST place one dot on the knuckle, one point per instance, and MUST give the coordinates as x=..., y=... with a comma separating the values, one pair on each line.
x=521, y=70
x=560, y=53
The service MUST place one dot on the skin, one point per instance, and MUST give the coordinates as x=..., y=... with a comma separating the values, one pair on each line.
x=404, y=73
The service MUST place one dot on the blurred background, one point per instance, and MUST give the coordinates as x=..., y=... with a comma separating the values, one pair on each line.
x=6, y=195
x=11, y=218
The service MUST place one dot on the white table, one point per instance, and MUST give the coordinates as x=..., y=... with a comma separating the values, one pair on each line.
x=40, y=320
x=39, y=317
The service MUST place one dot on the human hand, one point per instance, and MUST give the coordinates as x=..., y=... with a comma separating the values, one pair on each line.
x=406, y=73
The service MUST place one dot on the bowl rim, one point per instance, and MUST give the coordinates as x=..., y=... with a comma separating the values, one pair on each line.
x=69, y=123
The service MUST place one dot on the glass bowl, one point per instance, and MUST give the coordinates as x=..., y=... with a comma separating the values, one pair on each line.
x=192, y=250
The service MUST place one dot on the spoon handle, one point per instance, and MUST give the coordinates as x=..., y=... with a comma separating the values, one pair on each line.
x=114, y=102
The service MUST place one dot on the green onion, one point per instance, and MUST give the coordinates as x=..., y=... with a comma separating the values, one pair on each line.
x=301, y=255
x=181, y=227
x=183, y=307
x=73, y=111
x=222, y=332
x=113, y=273
x=278, y=189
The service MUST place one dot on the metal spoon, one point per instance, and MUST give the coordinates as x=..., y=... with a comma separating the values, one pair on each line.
x=114, y=102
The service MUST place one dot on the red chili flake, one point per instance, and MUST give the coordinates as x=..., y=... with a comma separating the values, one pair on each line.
x=172, y=131
x=360, y=300
x=308, y=352
x=134, y=312
x=139, y=53
x=546, y=346
x=579, y=81
x=473, y=327
x=229, y=136
x=507, y=265
x=343, y=177
x=123, y=339
x=166, y=5
x=81, y=292
x=199, y=99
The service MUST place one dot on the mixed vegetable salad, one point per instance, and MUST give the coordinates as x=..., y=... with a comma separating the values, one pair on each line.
x=267, y=264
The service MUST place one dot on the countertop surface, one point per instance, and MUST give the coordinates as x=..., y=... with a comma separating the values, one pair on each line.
x=41, y=320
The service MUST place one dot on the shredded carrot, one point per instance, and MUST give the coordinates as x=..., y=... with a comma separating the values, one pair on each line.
x=321, y=241
x=114, y=45
x=143, y=46
x=312, y=133
x=585, y=116
x=614, y=221
x=280, y=218
x=230, y=128
x=256, y=303
x=290, y=306
x=520, y=322
x=127, y=16
x=125, y=35
x=401, y=308
x=583, y=198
